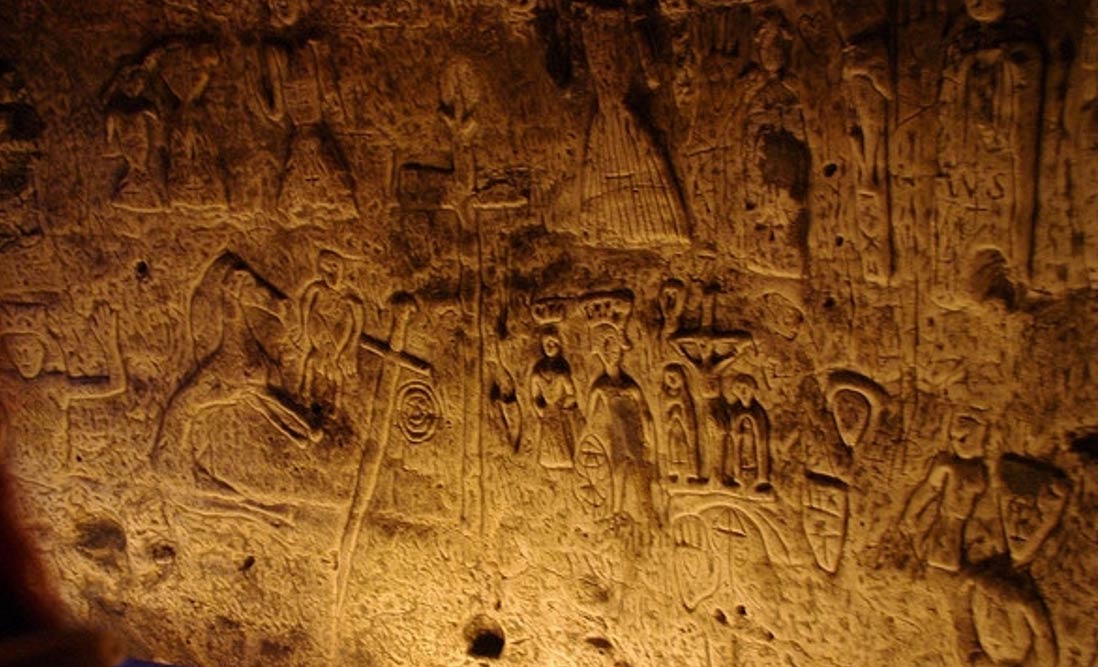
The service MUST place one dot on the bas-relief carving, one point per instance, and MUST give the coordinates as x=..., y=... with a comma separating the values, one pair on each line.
x=372, y=421
x=19, y=153
x=990, y=102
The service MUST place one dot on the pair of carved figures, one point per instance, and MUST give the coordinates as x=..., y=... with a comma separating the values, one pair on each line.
x=1002, y=617
x=733, y=449
x=238, y=324
x=160, y=123
x=616, y=430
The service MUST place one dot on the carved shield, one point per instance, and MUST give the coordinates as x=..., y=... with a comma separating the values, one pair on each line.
x=695, y=564
x=825, y=518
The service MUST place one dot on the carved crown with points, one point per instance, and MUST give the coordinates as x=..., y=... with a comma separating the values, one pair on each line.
x=608, y=307
x=550, y=310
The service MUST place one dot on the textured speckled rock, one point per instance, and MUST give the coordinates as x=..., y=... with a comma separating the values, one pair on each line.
x=557, y=333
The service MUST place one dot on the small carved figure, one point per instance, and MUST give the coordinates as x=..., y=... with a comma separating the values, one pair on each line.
x=671, y=303
x=299, y=86
x=618, y=414
x=707, y=86
x=135, y=133
x=678, y=413
x=193, y=176
x=991, y=97
x=746, y=432
x=332, y=319
x=773, y=236
x=20, y=129
x=555, y=402
x=628, y=196
x=936, y=514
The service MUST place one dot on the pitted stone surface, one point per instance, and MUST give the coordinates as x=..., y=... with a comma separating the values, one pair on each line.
x=553, y=332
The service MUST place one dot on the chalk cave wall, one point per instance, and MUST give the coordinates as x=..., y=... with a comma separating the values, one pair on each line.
x=708, y=333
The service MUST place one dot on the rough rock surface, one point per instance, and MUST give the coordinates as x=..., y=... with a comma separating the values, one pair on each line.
x=549, y=332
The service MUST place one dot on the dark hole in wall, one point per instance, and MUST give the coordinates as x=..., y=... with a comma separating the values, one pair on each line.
x=487, y=644
x=1085, y=446
x=485, y=637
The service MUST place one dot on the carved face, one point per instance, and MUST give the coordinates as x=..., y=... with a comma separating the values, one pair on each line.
x=672, y=381
x=772, y=46
x=132, y=81
x=331, y=269
x=986, y=11
x=610, y=350
x=739, y=387
x=672, y=302
x=1031, y=498
x=966, y=434
x=27, y=352
x=285, y=12
x=552, y=347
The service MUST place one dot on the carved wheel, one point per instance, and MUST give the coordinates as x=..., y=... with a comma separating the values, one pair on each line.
x=418, y=412
x=593, y=472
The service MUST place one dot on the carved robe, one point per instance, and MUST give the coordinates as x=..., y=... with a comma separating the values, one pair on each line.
x=987, y=146
x=555, y=401
x=620, y=418
x=628, y=198
x=315, y=179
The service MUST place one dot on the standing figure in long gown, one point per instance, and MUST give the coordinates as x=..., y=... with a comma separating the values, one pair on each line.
x=299, y=86
x=555, y=402
x=619, y=416
x=628, y=194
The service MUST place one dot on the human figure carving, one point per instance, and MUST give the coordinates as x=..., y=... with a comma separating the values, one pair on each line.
x=936, y=514
x=233, y=365
x=555, y=402
x=299, y=87
x=678, y=413
x=628, y=195
x=776, y=161
x=193, y=178
x=1007, y=624
x=990, y=101
x=1002, y=618
x=20, y=129
x=30, y=383
x=135, y=133
x=745, y=432
x=332, y=320
x=27, y=352
x=619, y=415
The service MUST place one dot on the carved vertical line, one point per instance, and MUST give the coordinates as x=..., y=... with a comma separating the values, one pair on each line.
x=1037, y=165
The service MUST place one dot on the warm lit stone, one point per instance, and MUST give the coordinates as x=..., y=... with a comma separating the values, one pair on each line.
x=539, y=332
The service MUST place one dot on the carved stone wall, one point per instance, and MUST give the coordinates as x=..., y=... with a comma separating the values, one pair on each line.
x=698, y=332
